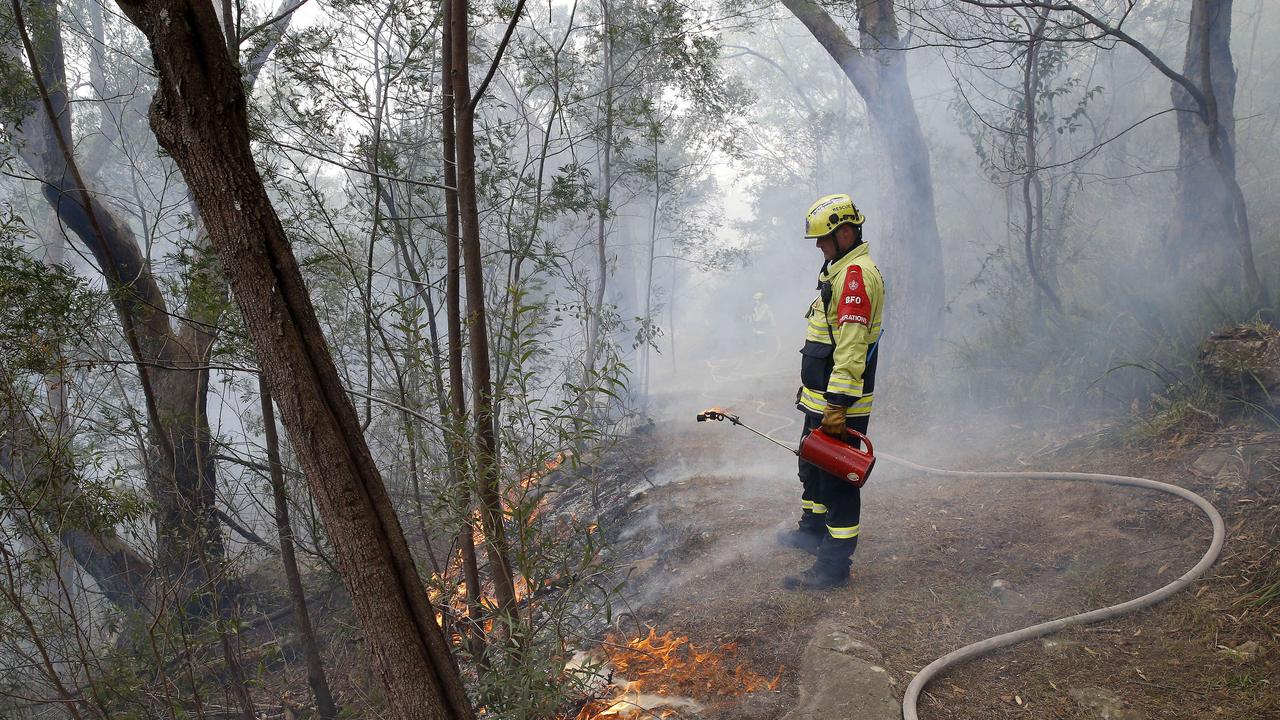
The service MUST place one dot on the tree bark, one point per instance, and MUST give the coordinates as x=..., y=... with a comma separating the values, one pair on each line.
x=456, y=418
x=878, y=71
x=604, y=197
x=200, y=116
x=647, y=349
x=1032, y=188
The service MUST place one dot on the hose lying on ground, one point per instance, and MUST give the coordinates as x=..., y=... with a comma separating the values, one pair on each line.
x=983, y=647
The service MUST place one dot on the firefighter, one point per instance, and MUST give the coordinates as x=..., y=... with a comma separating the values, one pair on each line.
x=837, y=373
x=761, y=321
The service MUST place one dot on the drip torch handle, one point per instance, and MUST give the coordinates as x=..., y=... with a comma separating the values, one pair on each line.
x=866, y=441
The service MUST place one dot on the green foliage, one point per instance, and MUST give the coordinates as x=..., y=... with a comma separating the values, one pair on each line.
x=17, y=88
x=1182, y=407
x=45, y=308
x=548, y=447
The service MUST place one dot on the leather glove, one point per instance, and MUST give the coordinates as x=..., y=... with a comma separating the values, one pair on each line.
x=833, y=421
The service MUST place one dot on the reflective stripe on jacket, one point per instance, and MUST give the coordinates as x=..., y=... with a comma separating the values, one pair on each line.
x=838, y=361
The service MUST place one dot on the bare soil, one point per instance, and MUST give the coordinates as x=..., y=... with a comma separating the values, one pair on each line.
x=697, y=531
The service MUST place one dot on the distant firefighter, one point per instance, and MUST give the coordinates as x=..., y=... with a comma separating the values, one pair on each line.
x=837, y=374
x=763, y=335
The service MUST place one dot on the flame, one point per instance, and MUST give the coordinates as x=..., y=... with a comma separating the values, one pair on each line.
x=548, y=466
x=529, y=481
x=670, y=666
x=448, y=592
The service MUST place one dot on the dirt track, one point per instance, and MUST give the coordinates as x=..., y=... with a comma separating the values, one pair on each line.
x=944, y=563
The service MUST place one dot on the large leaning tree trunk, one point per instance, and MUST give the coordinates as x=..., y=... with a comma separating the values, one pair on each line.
x=1209, y=209
x=878, y=70
x=172, y=363
x=200, y=116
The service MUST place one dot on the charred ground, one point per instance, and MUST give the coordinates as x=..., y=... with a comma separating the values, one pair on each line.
x=942, y=563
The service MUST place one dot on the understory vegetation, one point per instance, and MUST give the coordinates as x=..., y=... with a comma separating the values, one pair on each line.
x=322, y=322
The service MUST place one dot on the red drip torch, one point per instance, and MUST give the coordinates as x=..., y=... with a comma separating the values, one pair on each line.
x=831, y=454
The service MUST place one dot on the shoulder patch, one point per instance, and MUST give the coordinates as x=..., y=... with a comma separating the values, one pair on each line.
x=855, y=306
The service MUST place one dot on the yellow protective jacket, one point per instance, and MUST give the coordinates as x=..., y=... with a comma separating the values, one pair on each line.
x=838, y=364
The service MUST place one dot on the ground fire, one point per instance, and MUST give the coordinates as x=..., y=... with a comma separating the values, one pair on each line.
x=669, y=666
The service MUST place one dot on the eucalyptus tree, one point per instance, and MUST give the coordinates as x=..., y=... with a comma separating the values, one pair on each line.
x=365, y=78
x=350, y=122
x=200, y=116
x=360, y=108
x=808, y=135
x=120, y=198
x=171, y=357
x=1209, y=198
x=1209, y=201
x=649, y=55
x=877, y=68
x=50, y=653
x=1028, y=98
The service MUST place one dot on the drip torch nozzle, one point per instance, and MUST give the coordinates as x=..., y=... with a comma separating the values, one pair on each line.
x=717, y=413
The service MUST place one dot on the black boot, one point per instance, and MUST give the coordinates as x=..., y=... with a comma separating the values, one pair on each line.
x=830, y=570
x=807, y=535
x=821, y=576
x=800, y=540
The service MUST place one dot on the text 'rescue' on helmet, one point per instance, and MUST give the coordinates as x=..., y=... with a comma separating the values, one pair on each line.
x=829, y=213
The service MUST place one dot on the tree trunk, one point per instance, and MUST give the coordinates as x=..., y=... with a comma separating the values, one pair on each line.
x=486, y=469
x=647, y=348
x=316, y=678
x=200, y=116
x=1209, y=207
x=878, y=71
x=1032, y=188
x=456, y=419
x=172, y=366
x=604, y=192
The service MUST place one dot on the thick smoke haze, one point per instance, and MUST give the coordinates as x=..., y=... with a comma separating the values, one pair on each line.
x=1052, y=201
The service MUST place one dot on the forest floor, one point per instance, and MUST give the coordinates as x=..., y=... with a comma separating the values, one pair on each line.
x=945, y=562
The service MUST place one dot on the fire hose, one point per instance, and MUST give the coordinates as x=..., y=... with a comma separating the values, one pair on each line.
x=983, y=647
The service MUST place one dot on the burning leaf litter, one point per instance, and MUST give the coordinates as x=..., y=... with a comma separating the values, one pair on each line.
x=667, y=671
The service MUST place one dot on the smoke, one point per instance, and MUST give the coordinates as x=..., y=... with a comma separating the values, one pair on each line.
x=1011, y=379
x=732, y=275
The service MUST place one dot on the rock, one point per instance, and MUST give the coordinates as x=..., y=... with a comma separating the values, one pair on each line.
x=841, y=642
x=840, y=677
x=1008, y=597
x=1103, y=704
x=1244, y=652
x=1212, y=462
x=1244, y=360
x=1248, y=650
x=1226, y=467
